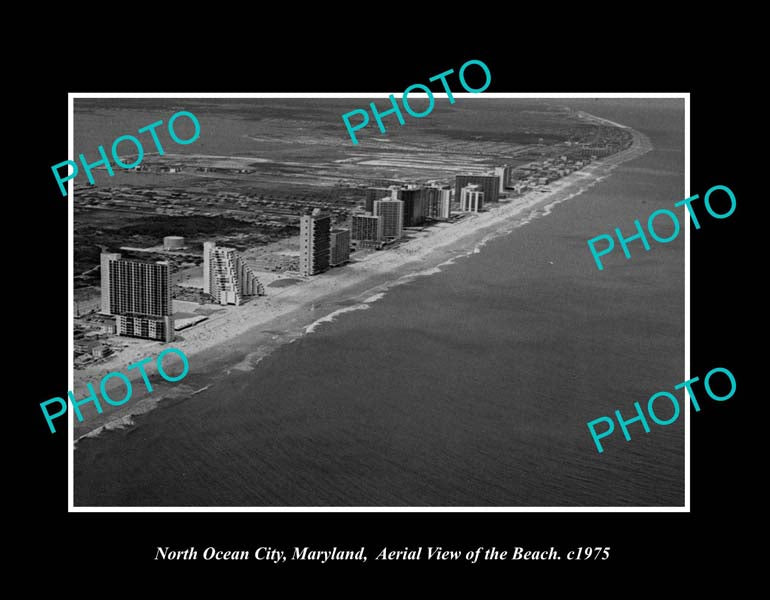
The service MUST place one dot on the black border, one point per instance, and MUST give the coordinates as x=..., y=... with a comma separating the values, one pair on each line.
x=708, y=536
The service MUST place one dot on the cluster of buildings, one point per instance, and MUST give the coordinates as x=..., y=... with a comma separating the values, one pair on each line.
x=137, y=294
x=531, y=175
x=388, y=210
x=321, y=246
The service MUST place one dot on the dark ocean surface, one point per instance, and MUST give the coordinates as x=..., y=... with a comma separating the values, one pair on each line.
x=468, y=387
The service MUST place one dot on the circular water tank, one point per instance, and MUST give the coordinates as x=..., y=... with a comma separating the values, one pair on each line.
x=173, y=242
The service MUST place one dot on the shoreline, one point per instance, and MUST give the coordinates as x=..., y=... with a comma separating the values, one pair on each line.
x=238, y=338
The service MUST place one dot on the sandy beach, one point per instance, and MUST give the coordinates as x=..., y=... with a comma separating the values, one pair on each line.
x=295, y=310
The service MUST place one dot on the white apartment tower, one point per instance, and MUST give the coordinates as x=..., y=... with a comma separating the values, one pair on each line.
x=226, y=276
x=504, y=173
x=392, y=214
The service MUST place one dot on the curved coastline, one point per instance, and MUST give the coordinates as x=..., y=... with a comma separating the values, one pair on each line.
x=240, y=338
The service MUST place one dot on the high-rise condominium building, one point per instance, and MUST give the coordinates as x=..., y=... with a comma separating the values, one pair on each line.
x=489, y=184
x=471, y=198
x=392, y=214
x=339, y=251
x=413, y=198
x=366, y=230
x=438, y=202
x=226, y=276
x=504, y=173
x=314, y=242
x=429, y=200
x=138, y=294
x=377, y=193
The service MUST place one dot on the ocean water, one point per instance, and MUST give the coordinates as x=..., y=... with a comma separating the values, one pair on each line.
x=468, y=387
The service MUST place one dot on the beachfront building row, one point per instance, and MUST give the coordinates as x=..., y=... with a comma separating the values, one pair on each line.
x=138, y=295
x=378, y=193
x=434, y=200
x=226, y=276
x=438, y=202
x=421, y=202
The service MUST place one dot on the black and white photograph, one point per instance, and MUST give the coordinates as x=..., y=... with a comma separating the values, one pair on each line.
x=469, y=307
x=414, y=318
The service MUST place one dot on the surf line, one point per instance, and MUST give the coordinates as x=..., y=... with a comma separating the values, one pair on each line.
x=92, y=397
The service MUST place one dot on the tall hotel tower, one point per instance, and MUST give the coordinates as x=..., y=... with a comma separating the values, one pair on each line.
x=139, y=295
x=471, y=198
x=504, y=173
x=414, y=199
x=438, y=201
x=226, y=276
x=392, y=214
x=314, y=242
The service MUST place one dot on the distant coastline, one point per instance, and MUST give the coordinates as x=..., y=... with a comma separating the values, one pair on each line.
x=287, y=313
